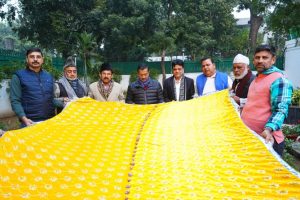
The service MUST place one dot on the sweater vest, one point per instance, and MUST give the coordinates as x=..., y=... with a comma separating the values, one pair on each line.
x=37, y=94
x=258, y=108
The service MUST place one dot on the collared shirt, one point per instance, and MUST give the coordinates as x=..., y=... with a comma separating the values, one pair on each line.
x=281, y=96
x=210, y=86
x=177, y=86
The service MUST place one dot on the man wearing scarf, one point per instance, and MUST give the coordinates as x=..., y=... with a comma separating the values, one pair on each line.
x=243, y=78
x=178, y=87
x=106, y=89
x=268, y=100
x=68, y=87
x=145, y=90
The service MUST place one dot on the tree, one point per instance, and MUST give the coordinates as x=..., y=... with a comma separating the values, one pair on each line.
x=286, y=18
x=9, y=13
x=54, y=24
x=86, y=47
x=258, y=10
x=127, y=27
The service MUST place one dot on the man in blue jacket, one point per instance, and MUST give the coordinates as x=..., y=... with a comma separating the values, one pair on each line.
x=211, y=80
x=31, y=90
x=145, y=90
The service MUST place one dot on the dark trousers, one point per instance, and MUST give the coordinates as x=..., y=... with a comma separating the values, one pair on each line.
x=278, y=147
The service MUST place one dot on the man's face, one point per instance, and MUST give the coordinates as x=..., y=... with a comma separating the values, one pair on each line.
x=239, y=69
x=263, y=60
x=35, y=60
x=71, y=73
x=208, y=68
x=178, y=71
x=143, y=74
x=106, y=76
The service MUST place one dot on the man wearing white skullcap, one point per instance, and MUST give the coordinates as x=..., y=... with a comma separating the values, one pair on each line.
x=243, y=78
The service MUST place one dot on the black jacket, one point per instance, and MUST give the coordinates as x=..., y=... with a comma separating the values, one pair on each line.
x=169, y=93
x=138, y=95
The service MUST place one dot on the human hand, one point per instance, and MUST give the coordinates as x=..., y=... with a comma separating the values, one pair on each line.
x=66, y=100
x=236, y=99
x=268, y=136
x=26, y=121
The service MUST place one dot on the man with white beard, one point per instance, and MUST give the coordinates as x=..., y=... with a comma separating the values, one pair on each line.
x=68, y=87
x=243, y=77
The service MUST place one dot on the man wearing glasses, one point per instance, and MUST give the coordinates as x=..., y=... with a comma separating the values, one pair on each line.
x=68, y=87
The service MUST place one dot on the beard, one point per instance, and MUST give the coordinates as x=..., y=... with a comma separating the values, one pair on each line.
x=245, y=72
x=71, y=79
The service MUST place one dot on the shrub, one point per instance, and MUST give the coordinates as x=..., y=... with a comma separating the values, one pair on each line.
x=296, y=97
x=6, y=72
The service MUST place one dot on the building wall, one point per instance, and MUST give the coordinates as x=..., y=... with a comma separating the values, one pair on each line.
x=292, y=56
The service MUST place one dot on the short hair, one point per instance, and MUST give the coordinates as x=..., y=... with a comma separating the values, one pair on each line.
x=142, y=66
x=34, y=49
x=206, y=58
x=106, y=66
x=177, y=62
x=266, y=47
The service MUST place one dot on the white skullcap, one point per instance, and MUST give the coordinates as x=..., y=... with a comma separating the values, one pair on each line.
x=241, y=59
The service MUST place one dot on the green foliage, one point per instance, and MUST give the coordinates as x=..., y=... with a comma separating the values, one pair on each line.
x=258, y=9
x=117, y=77
x=86, y=48
x=291, y=129
x=290, y=159
x=3, y=126
x=129, y=30
x=296, y=97
x=58, y=22
x=48, y=66
x=285, y=18
x=133, y=76
x=6, y=72
x=287, y=156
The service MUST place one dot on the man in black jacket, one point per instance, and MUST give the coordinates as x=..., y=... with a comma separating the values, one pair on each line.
x=145, y=90
x=178, y=87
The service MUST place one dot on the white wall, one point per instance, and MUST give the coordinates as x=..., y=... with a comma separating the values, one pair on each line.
x=292, y=62
x=5, y=107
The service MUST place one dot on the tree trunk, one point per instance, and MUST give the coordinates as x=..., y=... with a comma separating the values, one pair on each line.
x=255, y=23
x=162, y=65
x=85, y=70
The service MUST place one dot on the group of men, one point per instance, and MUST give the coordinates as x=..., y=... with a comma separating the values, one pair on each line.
x=264, y=98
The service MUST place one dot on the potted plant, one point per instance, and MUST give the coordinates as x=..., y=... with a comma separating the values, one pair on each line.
x=294, y=109
x=291, y=132
x=292, y=144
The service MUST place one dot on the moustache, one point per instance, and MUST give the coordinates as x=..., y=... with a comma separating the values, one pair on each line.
x=35, y=63
x=262, y=65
